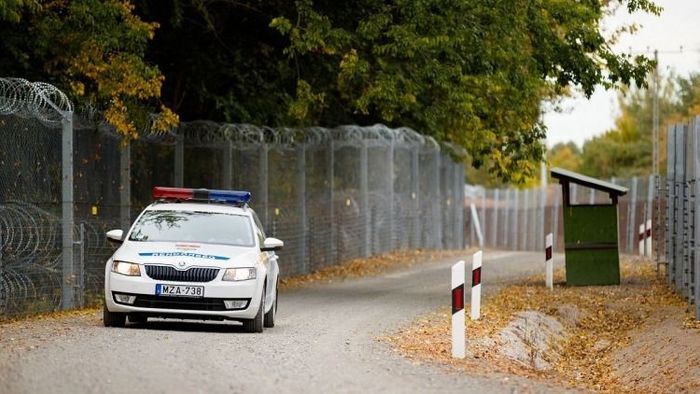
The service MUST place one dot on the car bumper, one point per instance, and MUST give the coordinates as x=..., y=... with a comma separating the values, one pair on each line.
x=210, y=306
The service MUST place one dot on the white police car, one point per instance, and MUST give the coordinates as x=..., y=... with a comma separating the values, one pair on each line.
x=194, y=254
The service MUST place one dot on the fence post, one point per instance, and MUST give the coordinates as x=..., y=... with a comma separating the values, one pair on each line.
x=68, y=291
x=330, y=184
x=390, y=193
x=125, y=189
x=507, y=217
x=227, y=163
x=301, y=201
x=555, y=217
x=679, y=208
x=632, y=217
x=670, y=203
x=263, y=206
x=437, y=214
x=364, y=200
x=179, y=167
x=516, y=220
x=494, y=222
x=527, y=230
x=80, y=271
x=649, y=216
x=415, y=195
x=696, y=234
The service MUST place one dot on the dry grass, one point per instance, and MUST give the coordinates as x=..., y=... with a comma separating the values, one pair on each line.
x=371, y=266
x=608, y=313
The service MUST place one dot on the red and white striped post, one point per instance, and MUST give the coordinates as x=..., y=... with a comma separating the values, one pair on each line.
x=476, y=286
x=648, y=239
x=458, y=335
x=548, y=265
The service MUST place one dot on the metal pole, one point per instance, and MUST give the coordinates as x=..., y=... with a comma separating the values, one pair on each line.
x=125, y=187
x=516, y=222
x=632, y=217
x=330, y=180
x=301, y=201
x=437, y=213
x=179, y=160
x=390, y=194
x=364, y=200
x=415, y=195
x=263, y=205
x=494, y=221
x=68, y=294
x=527, y=230
x=227, y=163
x=649, y=214
x=696, y=234
x=670, y=204
x=555, y=217
x=506, y=220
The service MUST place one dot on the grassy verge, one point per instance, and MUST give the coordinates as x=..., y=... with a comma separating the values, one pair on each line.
x=605, y=317
x=371, y=266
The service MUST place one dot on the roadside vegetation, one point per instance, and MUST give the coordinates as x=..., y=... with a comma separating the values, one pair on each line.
x=572, y=336
x=472, y=72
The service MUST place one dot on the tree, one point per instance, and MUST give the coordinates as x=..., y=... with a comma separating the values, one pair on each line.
x=469, y=72
x=93, y=49
x=565, y=155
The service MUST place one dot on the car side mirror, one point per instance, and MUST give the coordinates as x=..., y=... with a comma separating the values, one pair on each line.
x=272, y=244
x=115, y=236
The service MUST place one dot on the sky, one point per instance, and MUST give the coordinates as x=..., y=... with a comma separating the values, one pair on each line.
x=677, y=26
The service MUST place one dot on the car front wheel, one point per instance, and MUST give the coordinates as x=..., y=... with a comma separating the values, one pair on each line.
x=270, y=316
x=256, y=324
x=113, y=319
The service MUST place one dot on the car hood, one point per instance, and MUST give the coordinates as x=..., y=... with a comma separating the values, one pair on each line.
x=186, y=254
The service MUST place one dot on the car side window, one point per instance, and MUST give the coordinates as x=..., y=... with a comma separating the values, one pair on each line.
x=260, y=231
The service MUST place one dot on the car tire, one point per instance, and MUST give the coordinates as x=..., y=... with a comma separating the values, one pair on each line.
x=270, y=316
x=138, y=319
x=113, y=319
x=256, y=324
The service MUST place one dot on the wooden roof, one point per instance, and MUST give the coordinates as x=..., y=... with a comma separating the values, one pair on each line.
x=579, y=179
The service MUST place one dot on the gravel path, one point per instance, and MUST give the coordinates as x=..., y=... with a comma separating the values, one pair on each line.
x=325, y=341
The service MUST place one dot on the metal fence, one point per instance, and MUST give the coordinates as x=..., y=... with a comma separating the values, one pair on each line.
x=330, y=194
x=519, y=219
x=681, y=187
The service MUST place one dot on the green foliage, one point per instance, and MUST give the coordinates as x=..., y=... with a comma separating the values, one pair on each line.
x=468, y=72
x=93, y=49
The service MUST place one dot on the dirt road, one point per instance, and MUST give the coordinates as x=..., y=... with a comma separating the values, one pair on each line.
x=325, y=341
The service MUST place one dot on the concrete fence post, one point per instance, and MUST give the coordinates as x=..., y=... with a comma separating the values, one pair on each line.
x=125, y=187
x=179, y=165
x=301, y=202
x=67, y=206
x=364, y=201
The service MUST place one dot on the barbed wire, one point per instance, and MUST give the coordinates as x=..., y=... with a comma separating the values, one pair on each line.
x=38, y=100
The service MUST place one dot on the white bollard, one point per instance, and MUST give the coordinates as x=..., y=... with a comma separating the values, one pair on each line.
x=476, y=286
x=548, y=264
x=641, y=239
x=458, y=335
x=648, y=239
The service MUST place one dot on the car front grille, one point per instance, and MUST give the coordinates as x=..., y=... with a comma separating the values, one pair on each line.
x=194, y=274
x=186, y=303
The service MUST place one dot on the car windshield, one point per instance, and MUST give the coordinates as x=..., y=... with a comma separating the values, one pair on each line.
x=193, y=226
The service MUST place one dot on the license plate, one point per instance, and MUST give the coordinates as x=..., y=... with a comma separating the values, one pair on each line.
x=179, y=290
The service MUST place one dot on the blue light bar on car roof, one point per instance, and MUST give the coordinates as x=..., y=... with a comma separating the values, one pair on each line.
x=185, y=194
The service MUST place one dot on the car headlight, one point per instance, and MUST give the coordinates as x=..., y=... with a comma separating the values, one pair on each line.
x=125, y=268
x=236, y=274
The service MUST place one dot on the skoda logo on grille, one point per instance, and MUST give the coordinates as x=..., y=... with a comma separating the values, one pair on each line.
x=181, y=264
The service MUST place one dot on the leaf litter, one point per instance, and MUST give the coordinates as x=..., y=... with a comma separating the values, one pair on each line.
x=598, y=320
